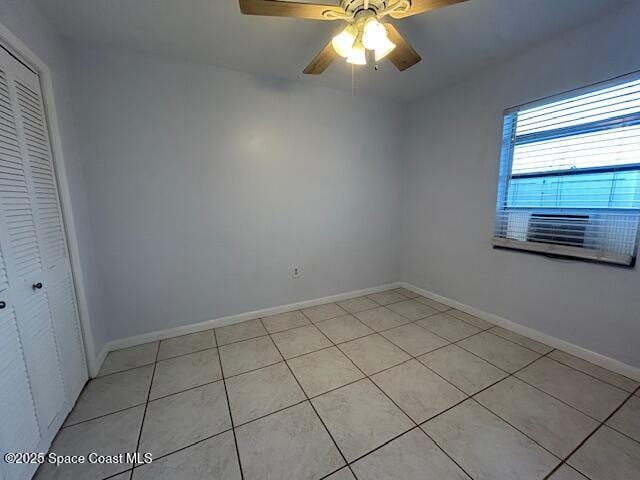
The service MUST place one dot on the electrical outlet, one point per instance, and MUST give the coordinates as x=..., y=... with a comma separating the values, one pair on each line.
x=295, y=271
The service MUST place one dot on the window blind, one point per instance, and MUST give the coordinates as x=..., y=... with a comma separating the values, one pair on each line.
x=569, y=180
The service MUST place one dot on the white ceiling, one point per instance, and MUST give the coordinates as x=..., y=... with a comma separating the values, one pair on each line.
x=454, y=42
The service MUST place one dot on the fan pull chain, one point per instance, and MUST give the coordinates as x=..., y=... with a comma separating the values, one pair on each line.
x=353, y=80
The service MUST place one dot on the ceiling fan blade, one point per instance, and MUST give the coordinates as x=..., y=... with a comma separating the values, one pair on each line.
x=403, y=56
x=322, y=60
x=422, y=6
x=277, y=8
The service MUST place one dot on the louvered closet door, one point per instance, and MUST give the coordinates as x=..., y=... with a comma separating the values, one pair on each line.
x=43, y=366
x=18, y=419
x=51, y=235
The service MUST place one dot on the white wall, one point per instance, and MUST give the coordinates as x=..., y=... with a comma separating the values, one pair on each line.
x=205, y=185
x=450, y=178
x=24, y=20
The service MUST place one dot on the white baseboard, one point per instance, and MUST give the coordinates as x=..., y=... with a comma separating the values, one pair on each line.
x=588, y=355
x=229, y=320
x=99, y=360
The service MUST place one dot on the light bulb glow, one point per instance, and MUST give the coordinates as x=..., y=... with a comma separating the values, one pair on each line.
x=358, y=55
x=343, y=42
x=374, y=34
x=384, y=49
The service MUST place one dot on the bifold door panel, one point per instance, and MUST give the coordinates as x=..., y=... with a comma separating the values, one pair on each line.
x=43, y=367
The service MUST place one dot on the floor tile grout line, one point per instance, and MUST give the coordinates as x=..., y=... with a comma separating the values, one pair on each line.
x=562, y=459
x=146, y=407
x=509, y=374
x=369, y=334
x=316, y=412
x=211, y=329
x=620, y=432
x=621, y=406
x=482, y=330
x=451, y=343
x=226, y=392
x=418, y=425
x=416, y=357
x=444, y=451
x=122, y=371
x=557, y=398
x=535, y=351
x=404, y=413
x=489, y=361
x=200, y=350
x=593, y=376
x=385, y=443
x=129, y=471
x=244, y=339
x=236, y=426
x=420, y=326
x=469, y=396
x=492, y=326
x=254, y=369
x=311, y=351
x=434, y=333
x=366, y=454
x=549, y=394
x=438, y=335
x=595, y=430
x=151, y=400
x=157, y=398
x=228, y=429
x=601, y=423
x=185, y=447
x=376, y=385
x=103, y=415
x=325, y=477
x=413, y=357
x=223, y=380
x=491, y=330
x=376, y=373
x=302, y=326
x=452, y=406
x=390, y=303
x=481, y=405
x=343, y=314
x=347, y=314
x=345, y=341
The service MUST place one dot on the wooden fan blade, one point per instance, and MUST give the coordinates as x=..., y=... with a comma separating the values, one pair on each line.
x=322, y=61
x=422, y=6
x=403, y=56
x=277, y=8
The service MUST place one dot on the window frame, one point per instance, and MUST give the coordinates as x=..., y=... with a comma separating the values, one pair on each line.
x=505, y=175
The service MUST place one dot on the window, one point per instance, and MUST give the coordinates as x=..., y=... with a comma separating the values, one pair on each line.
x=570, y=174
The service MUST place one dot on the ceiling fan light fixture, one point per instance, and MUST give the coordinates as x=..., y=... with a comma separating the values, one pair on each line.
x=373, y=34
x=343, y=42
x=358, y=55
x=364, y=19
x=384, y=49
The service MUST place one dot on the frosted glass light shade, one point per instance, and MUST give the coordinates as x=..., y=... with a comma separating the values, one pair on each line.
x=374, y=34
x=384, y=49
x=343, y=42
x=358, y=55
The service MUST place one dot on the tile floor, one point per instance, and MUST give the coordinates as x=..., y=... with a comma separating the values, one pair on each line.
x=387, y=386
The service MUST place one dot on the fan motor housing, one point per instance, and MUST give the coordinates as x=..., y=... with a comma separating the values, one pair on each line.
x=354, y=6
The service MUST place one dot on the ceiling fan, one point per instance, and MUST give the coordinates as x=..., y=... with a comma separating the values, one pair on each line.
x=364, y=31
